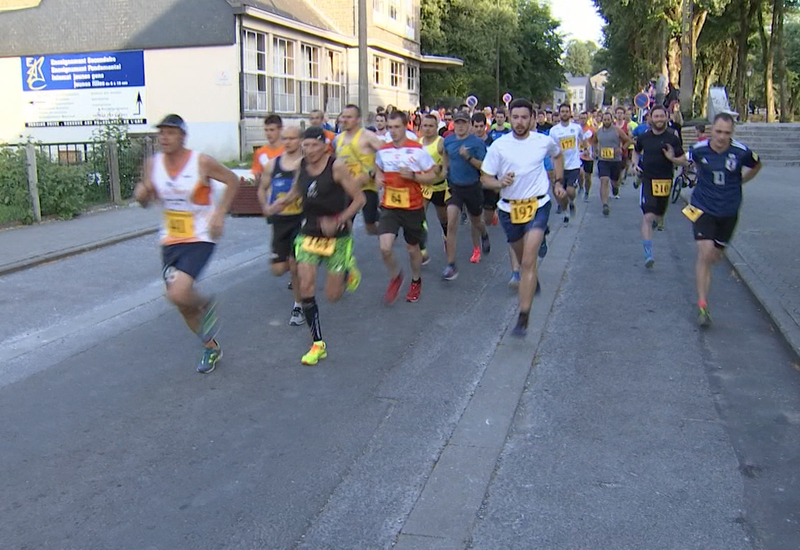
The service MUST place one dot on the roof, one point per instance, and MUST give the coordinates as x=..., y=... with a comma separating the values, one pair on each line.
x=296, y=10
x=76, y=26
x=577, y=81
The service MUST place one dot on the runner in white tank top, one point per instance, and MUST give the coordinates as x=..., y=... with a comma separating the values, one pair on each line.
x=180, y=179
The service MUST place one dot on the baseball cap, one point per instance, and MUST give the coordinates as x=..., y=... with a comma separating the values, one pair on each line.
x=314, y=132
x=461, y=115
x=173, y=121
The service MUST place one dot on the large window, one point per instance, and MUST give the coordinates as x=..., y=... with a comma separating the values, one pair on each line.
x=377, y=69
x=255, y=71
x=412, y=76
x=334, y=82
x=310, y=98
x=396, y=74
x=411, y=20
x=394, y=9
x=284, y=96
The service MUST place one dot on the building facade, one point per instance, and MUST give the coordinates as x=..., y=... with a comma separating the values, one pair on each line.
x=68, y=68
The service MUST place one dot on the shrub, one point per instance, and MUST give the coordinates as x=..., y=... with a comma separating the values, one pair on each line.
x=14, y=185
x=61, y=188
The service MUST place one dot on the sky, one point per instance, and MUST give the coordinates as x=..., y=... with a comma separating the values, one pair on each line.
x=579, y=19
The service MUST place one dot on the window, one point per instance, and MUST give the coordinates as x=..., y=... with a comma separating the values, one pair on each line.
x=411, y=78
x=411, y=20
x=310, y=98
x=394, y=9
x=284, y=97
x=395, y=74
x=255, y=71
x=334, y=82
x=377, y=64
x=377, y=6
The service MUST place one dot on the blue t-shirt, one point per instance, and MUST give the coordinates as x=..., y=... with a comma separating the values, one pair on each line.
x=640, y=130
x=496, y=133
x=461, y=172
x=548, y=161
x=719, y=177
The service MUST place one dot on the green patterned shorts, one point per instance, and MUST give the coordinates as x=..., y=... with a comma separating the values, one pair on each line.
x=337, y=262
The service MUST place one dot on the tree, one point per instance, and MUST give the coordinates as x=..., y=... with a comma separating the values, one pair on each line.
x=579, y=57
x=519, y=34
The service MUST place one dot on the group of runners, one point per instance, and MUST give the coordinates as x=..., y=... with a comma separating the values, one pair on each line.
x=503, y=166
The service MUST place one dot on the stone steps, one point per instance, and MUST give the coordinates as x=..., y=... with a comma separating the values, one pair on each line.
x=778, y=144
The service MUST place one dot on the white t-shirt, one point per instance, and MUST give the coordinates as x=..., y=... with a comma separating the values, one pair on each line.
x=569, y=139
x=524, y=157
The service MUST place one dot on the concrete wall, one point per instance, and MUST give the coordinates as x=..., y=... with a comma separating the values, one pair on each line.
x=200, y=84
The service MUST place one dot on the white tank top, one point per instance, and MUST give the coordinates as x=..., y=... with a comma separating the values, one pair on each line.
x=186, y=199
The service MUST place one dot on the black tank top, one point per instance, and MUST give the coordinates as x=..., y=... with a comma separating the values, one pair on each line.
x=322, y=196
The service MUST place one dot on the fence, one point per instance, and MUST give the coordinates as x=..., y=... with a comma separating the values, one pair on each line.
x=62, y=179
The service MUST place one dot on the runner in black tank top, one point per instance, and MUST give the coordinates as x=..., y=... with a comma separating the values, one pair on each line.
x=331, y=197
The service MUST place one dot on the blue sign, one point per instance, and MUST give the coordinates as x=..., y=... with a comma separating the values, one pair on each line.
x=641, y=101
x=77, y=71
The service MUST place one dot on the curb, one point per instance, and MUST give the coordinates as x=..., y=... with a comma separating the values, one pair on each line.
x=73, y=251
x=763, y=294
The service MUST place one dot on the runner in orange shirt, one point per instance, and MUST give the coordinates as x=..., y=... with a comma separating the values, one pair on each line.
x=273, y=126
x=317, y=118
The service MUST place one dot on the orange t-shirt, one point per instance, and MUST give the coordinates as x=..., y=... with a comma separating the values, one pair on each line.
x=263, y=155
x=400, y=193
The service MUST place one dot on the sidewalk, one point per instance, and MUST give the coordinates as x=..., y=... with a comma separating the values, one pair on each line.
x=28, y=246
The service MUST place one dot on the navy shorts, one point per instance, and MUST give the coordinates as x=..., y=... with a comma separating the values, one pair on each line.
x=190, y=258
x=571, y=177
x=609, y=169
x=516, y=231
x=370, y=208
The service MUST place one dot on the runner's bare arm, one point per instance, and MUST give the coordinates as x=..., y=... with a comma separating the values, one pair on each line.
x=623, y=137
x=669, y=153
x=378, y=176
x=491, y=182
x=370, y=140
x=445, y=162
x=214, y=170
x=145, y=191
x=288, y=198
x=427, y=177
x=558, y=168
x=751, y=172
x=342, y=175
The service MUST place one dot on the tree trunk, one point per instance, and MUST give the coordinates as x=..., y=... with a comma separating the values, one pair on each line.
x=780, y=58
x=687, y=58
x=769, y=61
x=746, y=14
x=709, y=79
x=674, y=61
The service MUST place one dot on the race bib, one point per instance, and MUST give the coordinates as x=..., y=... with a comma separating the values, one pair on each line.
x=395, y=197
x=661, y=188
x=568, y=143
x=692, y=212
x=291, y=209
x=607, y=153
x=427, y=193
x=180, y=224
x=522, y=211
x=447, y=194
x=321, y=246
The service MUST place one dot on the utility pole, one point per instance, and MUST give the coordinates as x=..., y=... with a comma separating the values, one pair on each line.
x=363, y=59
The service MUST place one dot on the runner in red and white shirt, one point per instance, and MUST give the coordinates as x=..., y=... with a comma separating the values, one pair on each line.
x=402, y=166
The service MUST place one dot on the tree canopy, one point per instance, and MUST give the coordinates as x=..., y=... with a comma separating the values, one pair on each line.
x=579, y=58
x=520, y=34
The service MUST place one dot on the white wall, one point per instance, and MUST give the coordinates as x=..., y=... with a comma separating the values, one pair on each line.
x=189, y=81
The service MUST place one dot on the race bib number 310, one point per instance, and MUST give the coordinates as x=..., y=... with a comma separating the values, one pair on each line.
x=522, y=211
x=180, y=224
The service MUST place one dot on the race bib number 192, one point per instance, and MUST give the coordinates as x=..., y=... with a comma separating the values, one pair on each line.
x=522, y=211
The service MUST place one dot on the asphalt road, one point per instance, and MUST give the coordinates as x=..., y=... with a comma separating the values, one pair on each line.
x=635, y=430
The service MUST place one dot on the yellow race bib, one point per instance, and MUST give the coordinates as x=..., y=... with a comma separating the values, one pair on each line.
x=397, y=197
x=447, y=194
x=291, y=209
x=321, y=246
x=568, y=143
x=427, y=193
x=661, y=188
x=522, y=211
x=607, y=153
x=692, y=212
x=180, y=224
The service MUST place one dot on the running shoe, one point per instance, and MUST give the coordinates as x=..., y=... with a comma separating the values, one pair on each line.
x=486, y=246
x=704, y=317
x=426, y=258
x=649, y=262
x=559, y=210
x=636, y=182
x=353, y=277
x=521, y=329
x=209, y=325
x=318, y=351
x=566, y=220
x=543, y=247
x=414, y=291
x=290, y=286
x=617, y=195
x=450, y=273
x=660, y=225
x=393, y=290
x=209, y=360
x=654, y=224
x=298, y=319
x=494, y=218
x=513, y=282
x=463, y=218
x=606, y=210
x=586, y=197
x=476, y=255
x=572, y=209
x=538, y=288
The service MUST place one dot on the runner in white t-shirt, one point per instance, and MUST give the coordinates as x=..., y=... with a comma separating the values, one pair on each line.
x=514, y=165
x=569, y=136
